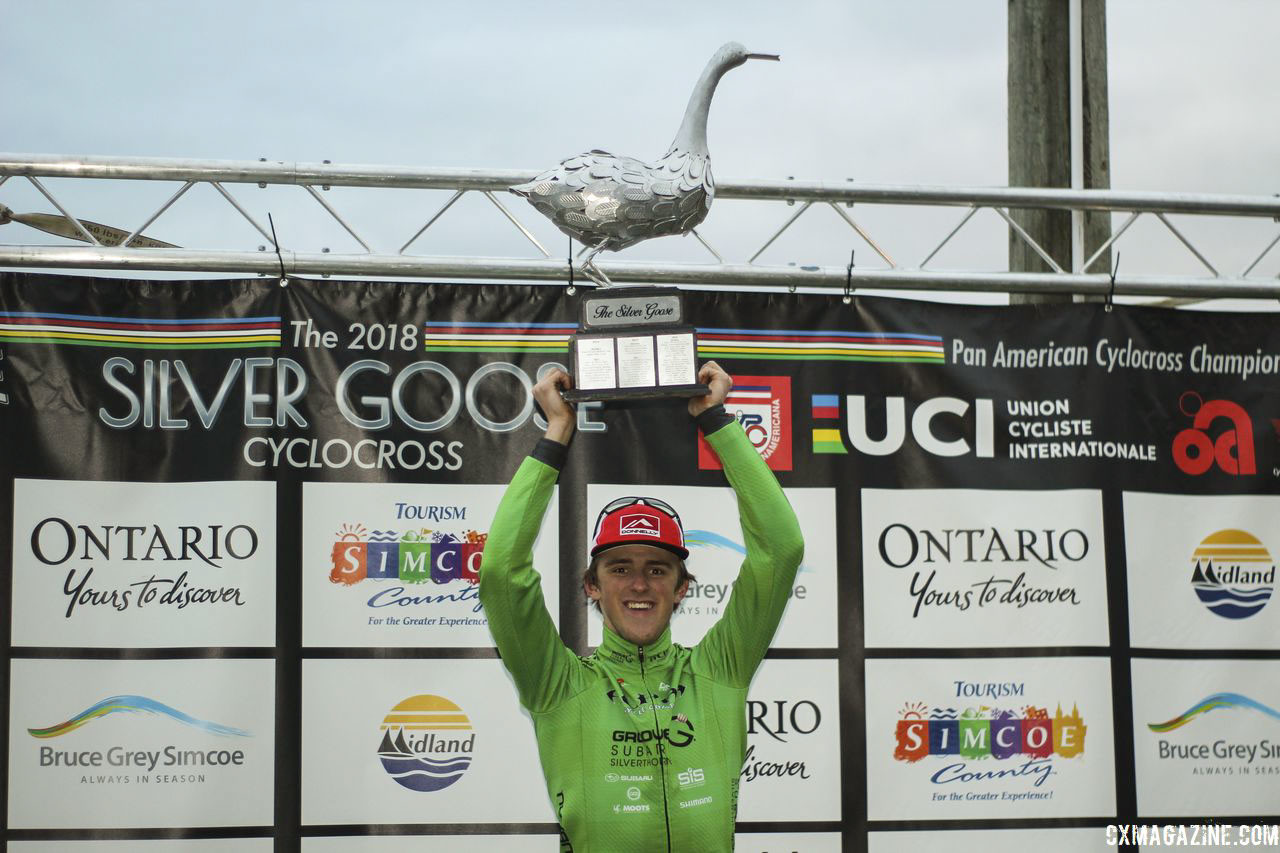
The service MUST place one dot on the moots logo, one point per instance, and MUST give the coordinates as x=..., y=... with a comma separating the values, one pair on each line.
x=1027, y=735
x=1234, y=574
x=1194, y=449
x=427, y=743
x=762, y=405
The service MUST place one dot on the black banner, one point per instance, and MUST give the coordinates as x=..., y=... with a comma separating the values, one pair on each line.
x=1036, y=599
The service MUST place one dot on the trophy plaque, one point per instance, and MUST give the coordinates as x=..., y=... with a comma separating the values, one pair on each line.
x=633, y=343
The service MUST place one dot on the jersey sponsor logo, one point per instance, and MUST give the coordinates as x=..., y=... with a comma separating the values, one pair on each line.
x=618, y=777
x=630, y=808
x=427, y=743
x=693, y=777
x=700, y=801
x=633, y=793
x=681, y=736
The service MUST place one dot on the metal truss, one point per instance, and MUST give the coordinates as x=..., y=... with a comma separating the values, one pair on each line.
x=112, y=248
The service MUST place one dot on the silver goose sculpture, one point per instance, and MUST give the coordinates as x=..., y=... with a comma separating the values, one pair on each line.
x=609, y=202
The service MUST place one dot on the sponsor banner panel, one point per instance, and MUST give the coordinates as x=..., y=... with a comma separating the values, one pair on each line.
x=978, y=567
x=421, y=741
x=141, y=743
x=433, y=844
x=193, y=845
x=792, y=842
x=143, y=564
x=762, y=405
x=397, y=565
x=1202, y=570
x=716, y=550
x=1206, y=737
x=1006, y=738
x=991, y=841
x=792, y=768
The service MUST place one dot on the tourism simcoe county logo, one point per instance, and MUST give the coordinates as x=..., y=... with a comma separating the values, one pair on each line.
x=988, y=733
x=427, y=743
x=1234, y=574
x=412, y=556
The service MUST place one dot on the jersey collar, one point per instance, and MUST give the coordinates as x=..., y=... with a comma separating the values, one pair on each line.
x=618, y=650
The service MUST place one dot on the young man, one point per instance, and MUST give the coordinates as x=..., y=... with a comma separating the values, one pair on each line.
x=641, y=742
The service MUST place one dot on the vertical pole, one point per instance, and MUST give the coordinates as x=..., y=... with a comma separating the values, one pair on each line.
x=1039, y=144
x=1097, y=127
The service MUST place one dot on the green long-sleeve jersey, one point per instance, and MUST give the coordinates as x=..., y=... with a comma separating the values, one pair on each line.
x=642, y=747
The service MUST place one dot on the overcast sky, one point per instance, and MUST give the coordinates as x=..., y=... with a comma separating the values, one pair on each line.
x=908, y=92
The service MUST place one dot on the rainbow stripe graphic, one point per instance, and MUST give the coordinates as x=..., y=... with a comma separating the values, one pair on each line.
x=825, y=438
x=788, y=345
x=797, y=345
x=1213, y=703
x=133, y=705
x=86, y=330
x=460, y=336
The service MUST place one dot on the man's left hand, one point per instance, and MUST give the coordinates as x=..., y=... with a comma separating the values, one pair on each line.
x=713, y=376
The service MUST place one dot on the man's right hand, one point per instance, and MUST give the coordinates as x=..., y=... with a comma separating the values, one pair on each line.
x=561, y=418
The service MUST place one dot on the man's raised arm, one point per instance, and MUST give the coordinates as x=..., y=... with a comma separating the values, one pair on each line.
x=510, y=589
x=734, y=647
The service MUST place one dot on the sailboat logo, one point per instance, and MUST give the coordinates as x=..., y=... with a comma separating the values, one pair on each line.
x=1234, y=574
x=427, y=743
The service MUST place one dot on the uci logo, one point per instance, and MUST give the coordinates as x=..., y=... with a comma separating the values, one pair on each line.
x=939, y=426
x=1232, y=451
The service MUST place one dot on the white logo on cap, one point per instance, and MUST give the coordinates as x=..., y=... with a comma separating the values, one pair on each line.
x=639, y=525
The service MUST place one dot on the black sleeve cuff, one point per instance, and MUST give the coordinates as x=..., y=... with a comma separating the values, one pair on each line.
x=713, y=419
x=550, y=452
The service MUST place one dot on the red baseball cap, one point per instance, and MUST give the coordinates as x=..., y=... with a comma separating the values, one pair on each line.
x=639, y=521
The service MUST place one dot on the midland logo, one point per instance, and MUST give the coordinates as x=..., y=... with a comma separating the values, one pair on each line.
x=427, y=743
x=1221, y=435
x=410, y=568
x=762, y=405
x=1234, y=574
x=1025, y=737
x=126, y=763
x=1222, y=756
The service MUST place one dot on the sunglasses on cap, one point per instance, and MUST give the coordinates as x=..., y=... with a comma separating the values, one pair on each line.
x=622, y=503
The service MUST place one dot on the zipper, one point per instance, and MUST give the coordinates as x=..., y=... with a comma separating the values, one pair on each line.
x=657, y=730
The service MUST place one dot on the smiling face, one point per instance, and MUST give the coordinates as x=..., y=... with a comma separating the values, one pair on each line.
x=637, y=591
